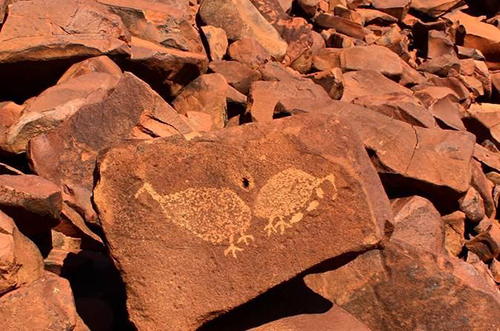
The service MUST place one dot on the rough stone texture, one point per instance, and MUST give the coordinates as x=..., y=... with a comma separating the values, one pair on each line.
x=486, y=245
x=434, y=8
x=20, y=260
x=472, y=205
x=55, y=105
x=40, y=30
x=372, y=57
x=249, y=52
x=484, y=121
x=240, y=19
x=418, y=223
x=331, y=80
x=336, y=319
x=399, y=106
x=279, y=184
x=264, y=96
x=206, y=94
x=402, y=288
x=102, y=64
x=159, y=22
x=396, y=8
x=131, y=110
x=236, y=74
x=32, y=201
x=369, y=82
x=454, y=232
x=217, y=41
x=46, y=304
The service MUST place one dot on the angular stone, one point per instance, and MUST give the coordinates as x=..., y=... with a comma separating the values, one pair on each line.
x=32, y=201
x=55, y=105
x=372, y=57
x=485, y=188
x=399, y=106
x=341, y=25
x=240, y=19
x=429, y=94
x=257, y=168
x=487, y=157
x=99, y=64
x=484, y=121
x=402, y=288
x=371, y=16
x=486, y=245
x=418, y=223
x=472, y=205
x=236, y=74
x=327, y=59
x=331, y=80
x=46, y=304
x=177, y=68
x=67, y=154
x=448, y=112
x=441, y=66
x=336, y=319
x=434, y=8
x=369, y=82
x=159, y=22
x=439, y=44
x=206, y=94
x=249, y=52
x=454, y=232
x=265, y=95
x=396, y=8
x=38, y=30
x=20, y=260
x=217, y=41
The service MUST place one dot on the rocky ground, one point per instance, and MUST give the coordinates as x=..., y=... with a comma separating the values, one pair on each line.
x=249, y=165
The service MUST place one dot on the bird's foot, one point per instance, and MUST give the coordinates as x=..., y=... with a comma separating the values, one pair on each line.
x=245, y=238
x=270, y=229
x=232, y=249
x=282, y=225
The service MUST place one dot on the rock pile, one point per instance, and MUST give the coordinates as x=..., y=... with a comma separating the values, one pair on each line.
x=249, y=165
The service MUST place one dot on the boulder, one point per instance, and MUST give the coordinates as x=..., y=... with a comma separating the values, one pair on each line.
x=403, y=288
x=46, y=304
x=35, y=203
x=99, y=64
x=472, y=205
x=372, y=57
x=206, y=94
x=236, y=74
x=434, y=8
x=20, y=260
x=396, y=8
x=454, y=232
x=240, y=19
x=249, y=52
x=217, y=41
x=67, y=154
x=219, y=222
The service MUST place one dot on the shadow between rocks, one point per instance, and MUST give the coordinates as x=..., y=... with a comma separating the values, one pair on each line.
x=287, y=299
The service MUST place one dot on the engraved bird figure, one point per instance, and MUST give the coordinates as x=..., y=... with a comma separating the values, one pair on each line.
x=212, y=214
x=290, y=193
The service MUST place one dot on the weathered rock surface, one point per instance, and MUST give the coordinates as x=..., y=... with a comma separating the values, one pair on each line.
x=408, y=289
x=372, y=57
x=295, y=192
x=240, y=19
x=369, y=82
x=20, y=260
x=236, y=74
x=99, y=64
x=217, y=41
x=46, y=304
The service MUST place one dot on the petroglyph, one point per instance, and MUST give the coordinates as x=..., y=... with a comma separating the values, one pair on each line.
x=212, y=214
x=291, y=193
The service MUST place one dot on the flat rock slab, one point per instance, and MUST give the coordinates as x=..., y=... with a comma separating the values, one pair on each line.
x=198, y=227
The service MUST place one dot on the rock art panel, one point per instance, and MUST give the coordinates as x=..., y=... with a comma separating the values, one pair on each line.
x=199, y=225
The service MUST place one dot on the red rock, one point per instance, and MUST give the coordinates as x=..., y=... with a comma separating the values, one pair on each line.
x=55, y=105
x=100, y=64
x=249, y=52
x=331, y=80
x=40, y=30
x=372, y=57
x=473, y=206
x=486, y=245
x=487, y=157
x=399, y=106
x=367, y=83
x=67, y=154
x=34, y=202
x=20, y=260
x=495, y=270
x=483, y=120
x=217, y=41
x=206, y=94
x=236, y=74
x=402, y=288
x=418, y=223
x=46, y=304
x=396, y=8
x=341, y=25
x=309, y=6
x=327, y=59
x=253, y=164
x=336, y=319
x=159, y=22
x=448, y=112
x=371, y=16
x=177, y=68
x=428, y=94
x=485, y=188
x=454, y=232
x=434, y=8
x=264, y=96
x=441, y=66
x=240, y=19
